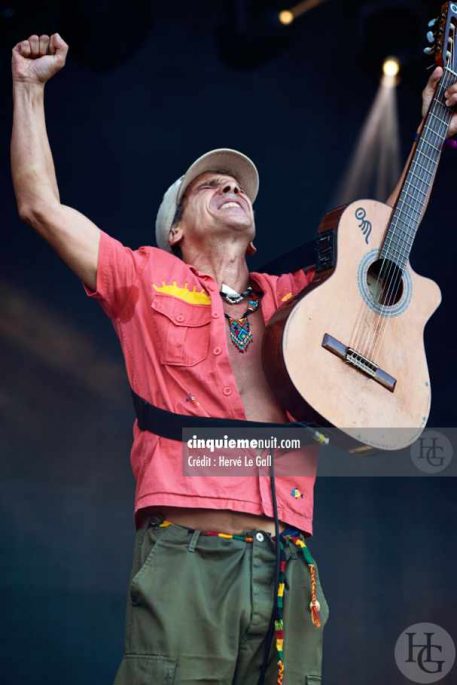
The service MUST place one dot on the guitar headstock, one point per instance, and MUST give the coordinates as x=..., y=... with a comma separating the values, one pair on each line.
x=442, y=35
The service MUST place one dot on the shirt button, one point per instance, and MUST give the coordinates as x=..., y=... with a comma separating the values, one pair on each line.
x=215, y=315
x=217, y=350
x=180, y=317
x=227, y=390
x=259, y=537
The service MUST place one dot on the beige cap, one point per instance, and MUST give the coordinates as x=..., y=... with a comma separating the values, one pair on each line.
x=222, y=160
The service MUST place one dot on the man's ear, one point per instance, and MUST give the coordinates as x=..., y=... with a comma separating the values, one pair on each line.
x=251, y=249
x=175, y=235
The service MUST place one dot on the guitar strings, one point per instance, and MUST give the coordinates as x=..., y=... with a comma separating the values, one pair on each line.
x=360, y=320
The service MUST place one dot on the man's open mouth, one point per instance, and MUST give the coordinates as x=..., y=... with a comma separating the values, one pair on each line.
x=230, y=203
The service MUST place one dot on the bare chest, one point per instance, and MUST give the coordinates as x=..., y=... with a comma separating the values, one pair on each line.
x=258, y=399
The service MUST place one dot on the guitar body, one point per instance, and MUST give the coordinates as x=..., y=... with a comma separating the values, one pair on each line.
x=338, y=354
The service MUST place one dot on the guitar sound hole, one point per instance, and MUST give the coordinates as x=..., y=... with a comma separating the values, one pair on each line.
x=385, y=283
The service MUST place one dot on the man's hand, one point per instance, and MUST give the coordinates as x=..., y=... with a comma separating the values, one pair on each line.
x=450, y=98
x=38, y=58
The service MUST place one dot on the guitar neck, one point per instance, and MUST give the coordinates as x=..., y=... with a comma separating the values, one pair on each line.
x=411, y=203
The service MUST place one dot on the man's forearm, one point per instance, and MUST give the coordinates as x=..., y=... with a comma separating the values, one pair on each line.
x=32, y=166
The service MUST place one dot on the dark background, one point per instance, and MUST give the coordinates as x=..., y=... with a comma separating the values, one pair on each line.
x=147, y=88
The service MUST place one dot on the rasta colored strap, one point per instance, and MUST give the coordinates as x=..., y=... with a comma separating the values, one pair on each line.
x=213, y=533
x=314, y=605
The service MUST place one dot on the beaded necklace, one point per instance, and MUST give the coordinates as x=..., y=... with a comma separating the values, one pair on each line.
x=240, y=329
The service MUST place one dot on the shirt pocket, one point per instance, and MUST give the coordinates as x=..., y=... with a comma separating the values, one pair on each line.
x=183, y=330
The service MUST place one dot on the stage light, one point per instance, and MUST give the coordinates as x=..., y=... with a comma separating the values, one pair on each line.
x=286, y=17
x=391, y=67
x=390, y=71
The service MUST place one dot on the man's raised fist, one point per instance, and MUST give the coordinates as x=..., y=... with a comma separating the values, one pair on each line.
x=38, y=58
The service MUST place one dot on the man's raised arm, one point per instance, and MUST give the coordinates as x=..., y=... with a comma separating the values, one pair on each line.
x=74, y=237
x=427, y=95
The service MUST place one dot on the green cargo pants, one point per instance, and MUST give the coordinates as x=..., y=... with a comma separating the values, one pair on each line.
x=199, y=607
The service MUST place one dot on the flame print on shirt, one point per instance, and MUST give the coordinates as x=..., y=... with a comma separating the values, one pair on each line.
x=193, y=296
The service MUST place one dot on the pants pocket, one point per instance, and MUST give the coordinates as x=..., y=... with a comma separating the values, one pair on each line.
x=145, y=670
x=147, y=547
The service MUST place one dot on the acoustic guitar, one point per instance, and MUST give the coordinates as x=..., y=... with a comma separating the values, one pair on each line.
x=348, y=351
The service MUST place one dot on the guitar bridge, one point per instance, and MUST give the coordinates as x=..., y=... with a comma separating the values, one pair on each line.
x=359, y=361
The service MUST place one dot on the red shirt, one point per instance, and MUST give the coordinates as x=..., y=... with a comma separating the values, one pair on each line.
x=170, y=322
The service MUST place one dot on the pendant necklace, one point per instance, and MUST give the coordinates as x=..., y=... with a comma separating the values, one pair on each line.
x=240, y=329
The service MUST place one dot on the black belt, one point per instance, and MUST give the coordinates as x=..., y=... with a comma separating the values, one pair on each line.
x=169, y=425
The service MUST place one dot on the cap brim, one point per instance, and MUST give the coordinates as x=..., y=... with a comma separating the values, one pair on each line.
x=227, y=161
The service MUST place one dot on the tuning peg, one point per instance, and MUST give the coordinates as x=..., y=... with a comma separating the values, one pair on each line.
x=432, y=23
x=429, y=51
x=431, y=37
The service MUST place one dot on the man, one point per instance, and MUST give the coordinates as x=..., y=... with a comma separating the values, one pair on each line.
x=190, y=325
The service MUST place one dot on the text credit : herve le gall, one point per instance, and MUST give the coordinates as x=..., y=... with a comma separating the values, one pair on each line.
x=231, y=463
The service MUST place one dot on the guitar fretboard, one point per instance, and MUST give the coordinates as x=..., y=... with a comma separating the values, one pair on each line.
x=412, y=200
